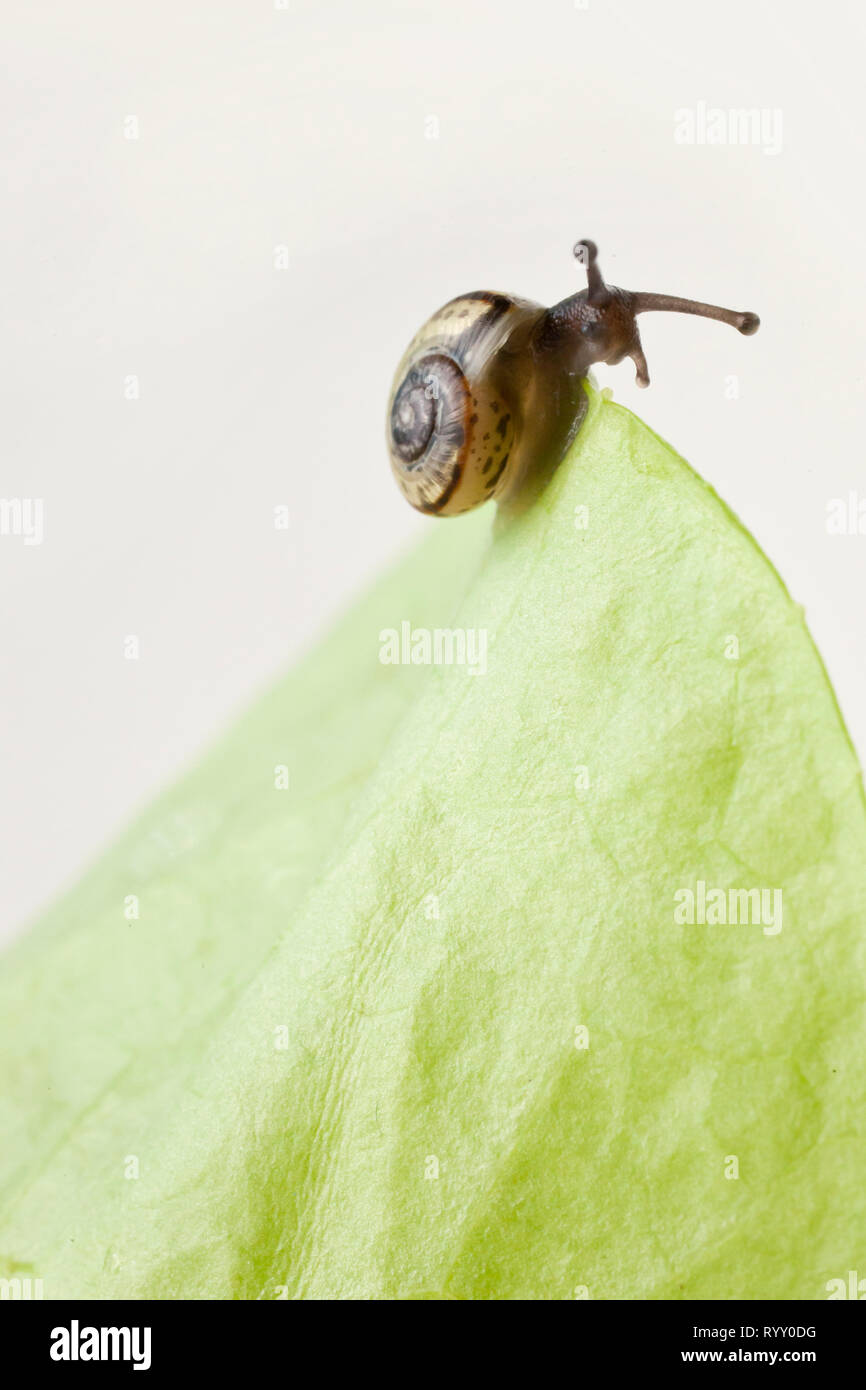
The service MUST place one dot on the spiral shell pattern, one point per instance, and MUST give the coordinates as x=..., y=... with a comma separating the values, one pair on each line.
x=450, y=429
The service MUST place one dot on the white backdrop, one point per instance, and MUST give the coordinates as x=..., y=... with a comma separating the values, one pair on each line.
x=223, y=221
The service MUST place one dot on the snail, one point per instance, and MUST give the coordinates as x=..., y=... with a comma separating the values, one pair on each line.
x=489, y=394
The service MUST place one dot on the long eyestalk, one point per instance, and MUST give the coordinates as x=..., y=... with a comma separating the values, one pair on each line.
x=742, y=320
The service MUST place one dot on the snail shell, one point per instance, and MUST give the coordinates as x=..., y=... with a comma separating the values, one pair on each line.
x=454, y=415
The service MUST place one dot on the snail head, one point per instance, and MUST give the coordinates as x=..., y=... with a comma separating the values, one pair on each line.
x=603, y=318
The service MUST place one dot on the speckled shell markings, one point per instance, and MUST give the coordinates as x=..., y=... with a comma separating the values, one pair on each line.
x=451, y=431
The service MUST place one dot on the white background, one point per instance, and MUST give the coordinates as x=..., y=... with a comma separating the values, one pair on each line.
x=307, y=127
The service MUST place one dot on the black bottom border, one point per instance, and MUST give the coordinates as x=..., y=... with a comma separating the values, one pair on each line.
x=219, y=1338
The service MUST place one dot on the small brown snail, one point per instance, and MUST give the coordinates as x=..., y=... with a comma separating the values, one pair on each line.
x=489, y=394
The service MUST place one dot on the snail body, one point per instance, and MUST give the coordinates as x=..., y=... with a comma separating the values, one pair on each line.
x=489, y=393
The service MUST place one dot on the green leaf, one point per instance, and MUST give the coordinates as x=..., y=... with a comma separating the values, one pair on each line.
x=425, y=1024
